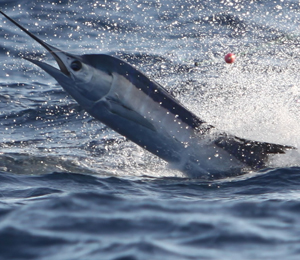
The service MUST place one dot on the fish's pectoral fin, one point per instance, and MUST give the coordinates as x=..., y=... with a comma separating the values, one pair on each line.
x=115, y=106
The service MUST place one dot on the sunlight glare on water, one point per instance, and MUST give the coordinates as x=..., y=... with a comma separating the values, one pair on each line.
x=71, y=188
x=255, y=98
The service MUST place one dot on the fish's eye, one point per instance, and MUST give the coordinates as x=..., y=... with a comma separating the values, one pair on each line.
x=76, y=65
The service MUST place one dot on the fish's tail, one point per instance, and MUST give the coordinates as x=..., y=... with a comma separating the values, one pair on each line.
x=253, y=153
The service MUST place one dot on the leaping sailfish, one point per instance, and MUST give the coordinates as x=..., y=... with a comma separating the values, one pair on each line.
x=123, y=98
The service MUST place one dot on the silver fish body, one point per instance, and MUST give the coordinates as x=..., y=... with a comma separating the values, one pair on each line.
x=123, y=98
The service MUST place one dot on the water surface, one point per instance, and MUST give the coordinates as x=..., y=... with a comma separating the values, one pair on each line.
x=71, y=188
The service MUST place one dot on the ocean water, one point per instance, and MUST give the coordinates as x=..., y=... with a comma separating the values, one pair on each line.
x=71, y=188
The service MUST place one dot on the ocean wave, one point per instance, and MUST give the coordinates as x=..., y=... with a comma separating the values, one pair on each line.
x=71, y=188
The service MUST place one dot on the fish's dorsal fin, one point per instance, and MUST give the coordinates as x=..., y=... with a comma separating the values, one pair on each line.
x=151, y=88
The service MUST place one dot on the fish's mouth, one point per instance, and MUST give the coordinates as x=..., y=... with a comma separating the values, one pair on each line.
x=54, y=51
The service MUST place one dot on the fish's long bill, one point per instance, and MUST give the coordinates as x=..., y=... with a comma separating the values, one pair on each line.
x=48, y=47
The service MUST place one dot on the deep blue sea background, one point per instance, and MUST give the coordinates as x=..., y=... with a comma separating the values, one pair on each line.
x=71, y=188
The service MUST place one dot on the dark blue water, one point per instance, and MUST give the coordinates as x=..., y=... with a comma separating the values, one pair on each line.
x=71, y=188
